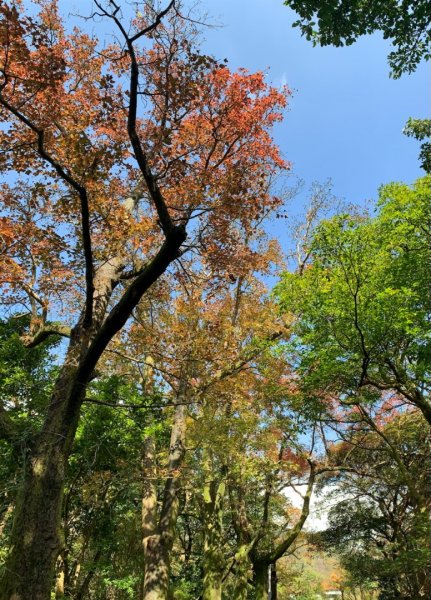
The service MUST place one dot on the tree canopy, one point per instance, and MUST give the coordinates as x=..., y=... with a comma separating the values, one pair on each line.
x=166, y=418
x=406, y=24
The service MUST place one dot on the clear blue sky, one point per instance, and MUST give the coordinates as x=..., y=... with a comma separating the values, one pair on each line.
x=346, y=116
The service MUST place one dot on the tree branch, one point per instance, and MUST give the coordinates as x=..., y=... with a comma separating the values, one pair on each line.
x=154, y=190
x=82, y=193
x=119, y=314
x=284, y=545
x=45, y=332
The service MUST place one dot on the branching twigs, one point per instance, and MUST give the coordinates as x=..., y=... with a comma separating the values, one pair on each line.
x=285, y=544
x=156, y=195
x=67, y=177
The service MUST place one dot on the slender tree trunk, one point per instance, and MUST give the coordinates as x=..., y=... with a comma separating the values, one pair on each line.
x=149, y=489
x=59, y=583
x=6, y=516
x=61, y=577
x=158, y=545
x=154, y=572
x=213, y=559
x=272, y=594
x=82, y=593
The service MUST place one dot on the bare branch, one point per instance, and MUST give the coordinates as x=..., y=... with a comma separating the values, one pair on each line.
x=45, y=332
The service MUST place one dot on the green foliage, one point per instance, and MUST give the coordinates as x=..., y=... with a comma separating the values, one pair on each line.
x=407, y=24
x=420, y=129
x=26, y=374
x=103, y=489
x=26, y=378
x=126, y=585
x=303, y=585
x=362, y=306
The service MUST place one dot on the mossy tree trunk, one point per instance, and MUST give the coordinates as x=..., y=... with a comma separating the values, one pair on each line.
x=213, y=559
x=159, y=526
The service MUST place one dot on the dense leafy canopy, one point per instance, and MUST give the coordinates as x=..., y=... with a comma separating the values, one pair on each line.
x=363, y=304
x=160, y=410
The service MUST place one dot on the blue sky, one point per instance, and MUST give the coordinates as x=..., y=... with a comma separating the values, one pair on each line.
x=346, y=116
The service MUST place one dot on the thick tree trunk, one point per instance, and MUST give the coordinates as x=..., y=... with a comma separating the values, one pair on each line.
x=213, y=573
x=157, y=567
x=241, y=570
x=36, y=538
x=260, y=581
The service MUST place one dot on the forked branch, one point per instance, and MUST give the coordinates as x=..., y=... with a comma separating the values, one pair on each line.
x=156, y=195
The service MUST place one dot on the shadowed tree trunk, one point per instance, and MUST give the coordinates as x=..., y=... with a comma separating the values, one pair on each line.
x=273, y=581
x=213, y=558
x=260, y=580
x=36, y=535
x=159, y=529
x=36, y=538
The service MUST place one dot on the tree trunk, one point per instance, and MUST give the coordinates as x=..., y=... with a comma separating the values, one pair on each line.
x=213, y=559
x=149, y=488
x=158, y=545
x=272, y=594
x=82, y=593
x=157, y=567
x=212, y=565
x=241, y=570
x=36, y=538
x=60, y=582
x=260, y=581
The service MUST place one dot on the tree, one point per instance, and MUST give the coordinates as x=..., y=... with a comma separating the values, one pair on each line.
x=362, y=304
x=26, y=378
x=381, y=527
x=407, y=24
x=201, y=346
x=103, y=190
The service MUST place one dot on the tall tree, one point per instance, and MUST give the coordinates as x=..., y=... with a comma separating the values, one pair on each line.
x=197, y=347
x=115, y=153
x=362, y=304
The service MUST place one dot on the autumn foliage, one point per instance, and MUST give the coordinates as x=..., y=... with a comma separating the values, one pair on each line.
x=124, y=156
